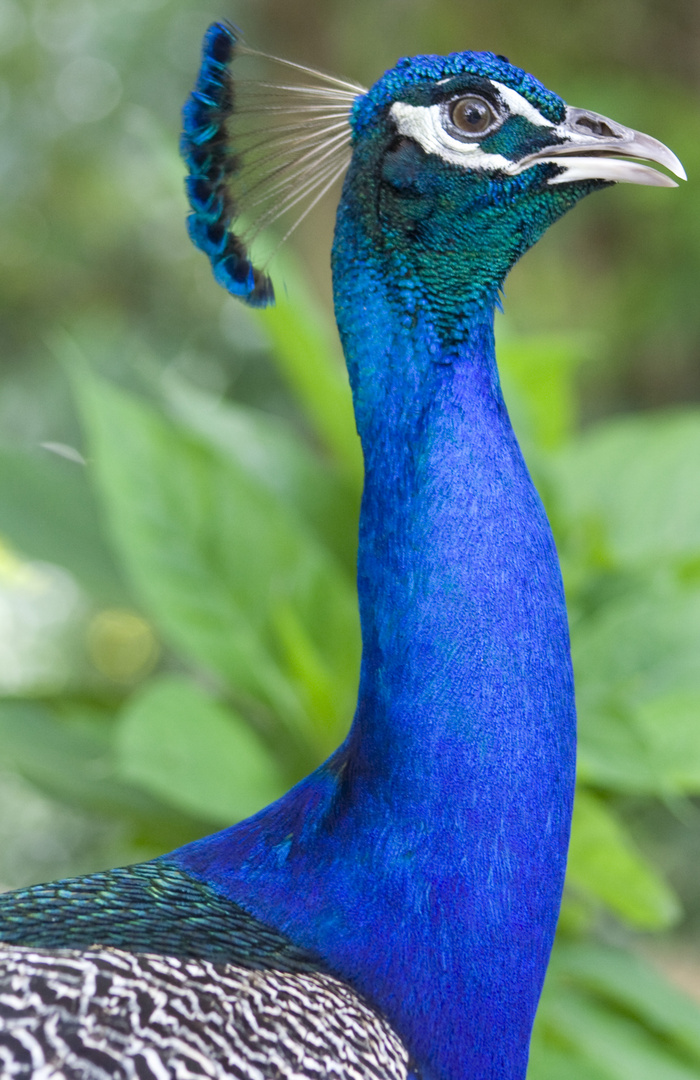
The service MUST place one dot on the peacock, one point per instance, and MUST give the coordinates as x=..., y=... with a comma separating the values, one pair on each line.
x=393, y=914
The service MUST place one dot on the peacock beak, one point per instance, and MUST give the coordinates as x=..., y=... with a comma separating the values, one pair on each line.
x=592, y=147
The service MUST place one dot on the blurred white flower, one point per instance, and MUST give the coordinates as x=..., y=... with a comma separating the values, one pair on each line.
x=39, y=605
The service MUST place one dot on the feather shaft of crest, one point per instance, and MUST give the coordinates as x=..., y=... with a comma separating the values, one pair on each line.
x=258, y=150
x=290, y=110
x=312, y=91
x=289, y=198
x=294, y=141
x=317, y=198
x=295, y=184
x=295, y=197
x=288, y=172
x=302, y=88
x=289, y=132
x=354, y=88
x=331, y=149
x=334, y=176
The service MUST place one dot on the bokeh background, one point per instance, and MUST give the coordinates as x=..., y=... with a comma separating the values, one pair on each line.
x=179, y=477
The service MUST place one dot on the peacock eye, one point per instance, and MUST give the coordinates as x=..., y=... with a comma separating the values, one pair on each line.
x=472, y=115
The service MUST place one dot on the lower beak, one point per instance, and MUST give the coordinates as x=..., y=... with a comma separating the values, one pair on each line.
x=592, y=147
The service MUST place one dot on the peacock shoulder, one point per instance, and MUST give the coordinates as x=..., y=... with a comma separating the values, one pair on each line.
x=152, y=907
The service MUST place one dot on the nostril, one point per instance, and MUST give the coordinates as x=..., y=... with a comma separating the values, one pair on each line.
x=596, y=126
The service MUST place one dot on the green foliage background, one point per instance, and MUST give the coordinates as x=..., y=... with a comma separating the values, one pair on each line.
x=178, y=628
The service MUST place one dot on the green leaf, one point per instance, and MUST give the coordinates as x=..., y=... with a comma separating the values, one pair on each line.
x=605, y=864
x=191, y=752
x=539, y=372
x=613, y=755
x=613, y=1043
x=71, y=758
x=553, y=1062
x=215, y=558
x=638, y=475
x=48, y=512
x=631, y=984
x=638, y=677
x=305, y=348
x=669, y=726
x=270, y=452
x=639, y=646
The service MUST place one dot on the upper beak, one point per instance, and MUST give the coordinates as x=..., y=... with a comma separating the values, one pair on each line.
x=596, y=148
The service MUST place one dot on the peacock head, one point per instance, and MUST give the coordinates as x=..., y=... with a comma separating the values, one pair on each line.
x=462, y=162
x=455, y=165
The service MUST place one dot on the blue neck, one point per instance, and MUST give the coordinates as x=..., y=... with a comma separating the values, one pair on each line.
x=425, y=859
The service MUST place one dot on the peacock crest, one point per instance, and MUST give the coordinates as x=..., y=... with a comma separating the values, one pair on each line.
x=260, y=151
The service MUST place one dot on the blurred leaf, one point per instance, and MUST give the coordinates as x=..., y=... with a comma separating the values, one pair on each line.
x=552, y=1062
x=612, y=754
x=651, y=749
x=216, y=557
x=639, y=475
x=305, y=663
x=604, y=863
x=637, y=649
x=305, y=347
x=670, y=728
x=271, y=454
x=540, y=371
x=630, y=983
x=48, y=512
x=614, y=1043
x=71, y=758
x=179, y=744
x=577, y=915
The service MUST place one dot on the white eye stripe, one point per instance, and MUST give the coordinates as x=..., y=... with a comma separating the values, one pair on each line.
x=520, y=106
x=424, y=124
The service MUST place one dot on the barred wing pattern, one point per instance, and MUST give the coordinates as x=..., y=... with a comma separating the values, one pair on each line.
x=106, y=1014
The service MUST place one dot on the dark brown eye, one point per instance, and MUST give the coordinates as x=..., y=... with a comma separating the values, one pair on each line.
x=472, y=115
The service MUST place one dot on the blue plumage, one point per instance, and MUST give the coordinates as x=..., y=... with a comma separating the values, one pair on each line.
x=423, y=863
x=205, y=148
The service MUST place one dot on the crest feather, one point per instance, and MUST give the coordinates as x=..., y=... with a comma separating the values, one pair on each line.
x=258, y=151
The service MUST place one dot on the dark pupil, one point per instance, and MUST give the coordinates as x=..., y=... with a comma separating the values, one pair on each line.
x=472, y=115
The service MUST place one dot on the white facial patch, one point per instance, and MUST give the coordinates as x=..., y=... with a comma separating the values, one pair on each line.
x=424, y=124
x=520, y=106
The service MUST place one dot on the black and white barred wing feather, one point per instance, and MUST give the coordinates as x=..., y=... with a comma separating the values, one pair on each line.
x=258, y=151
x=106, y=1014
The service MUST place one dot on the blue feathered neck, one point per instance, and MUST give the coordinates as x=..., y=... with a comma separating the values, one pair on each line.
x=425, y=860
